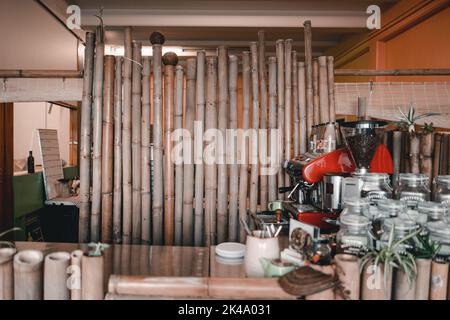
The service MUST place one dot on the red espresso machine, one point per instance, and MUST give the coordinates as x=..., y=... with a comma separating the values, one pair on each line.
x=317, y=176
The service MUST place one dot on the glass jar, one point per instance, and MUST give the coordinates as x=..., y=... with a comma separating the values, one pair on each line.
x=440, y=232
x=412, y=188
x=402, y=227
x=356, y=207
x=433, y=211
x=442, y=193
x=375, y=186
x=353, y=235
x=386, y=209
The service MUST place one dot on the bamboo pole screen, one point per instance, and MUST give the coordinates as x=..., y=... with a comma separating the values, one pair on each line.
x=186, y=162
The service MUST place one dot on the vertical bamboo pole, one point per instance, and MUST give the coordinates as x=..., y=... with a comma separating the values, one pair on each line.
x=281, y=116
x=448, y=159
x=323, y=90
x=430, y=167
x=414, y=156
x=309, y=77
x=157, y=40
x=107, y=149
x=146, y=197
x=263, y=123
x=85, y=141
x=126, y=140
x=179, y=91
x=273, y=141
x=254, y=172
x=427, y=145
x=396, y=155
x=97, y=141
x=210, y=168
x=28, y=275
x=288, y=104
x=198, y=148
x=170, y=60
x=222, y=168
x=331, y=101
x=233, y=223
x=439, y=280
x=243, y=175
x=55, y=273
x=316, y=99
x=302, y=107
x=117, y=201
x=136, y=123
x=7, y=273
x=295, y=104
x=188, y=178
x=444, y=155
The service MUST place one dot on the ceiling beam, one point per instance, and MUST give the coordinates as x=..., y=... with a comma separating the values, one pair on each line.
x=58, y=9
x=225, y=18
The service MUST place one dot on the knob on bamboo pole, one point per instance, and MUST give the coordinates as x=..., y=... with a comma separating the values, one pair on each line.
x=169, y=59
x=157, y=38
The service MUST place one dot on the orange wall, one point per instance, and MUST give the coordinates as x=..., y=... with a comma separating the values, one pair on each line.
x=414, y=34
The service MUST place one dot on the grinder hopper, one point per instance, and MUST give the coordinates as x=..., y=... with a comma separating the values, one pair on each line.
x=362, y=138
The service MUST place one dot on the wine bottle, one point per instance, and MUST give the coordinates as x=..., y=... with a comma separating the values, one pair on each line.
x=30, y=163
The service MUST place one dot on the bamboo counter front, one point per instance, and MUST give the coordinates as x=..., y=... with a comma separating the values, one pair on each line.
x=170, y=272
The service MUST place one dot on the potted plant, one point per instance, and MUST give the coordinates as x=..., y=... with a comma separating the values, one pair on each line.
x=92, y=272
x=424, y=252
x=377, y=267
x=407, y=122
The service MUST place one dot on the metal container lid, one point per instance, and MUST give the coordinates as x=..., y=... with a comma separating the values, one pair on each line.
x=439, y=228
x=358, y=203
x=401, y=224
x=434, y=210
x=372, y=177
x=354, y=220
x=364, y=124
x=391, y=205
x=413, y=177
x=443, y=179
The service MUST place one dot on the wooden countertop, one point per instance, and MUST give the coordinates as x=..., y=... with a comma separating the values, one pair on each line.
x=164, y=261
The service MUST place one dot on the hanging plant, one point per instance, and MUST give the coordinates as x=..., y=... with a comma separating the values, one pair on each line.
x=8, y=243
x=408, y=121
x=390, y=256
